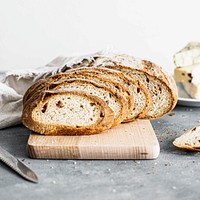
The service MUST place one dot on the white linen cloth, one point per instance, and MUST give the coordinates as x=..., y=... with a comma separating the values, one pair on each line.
x=13, y=85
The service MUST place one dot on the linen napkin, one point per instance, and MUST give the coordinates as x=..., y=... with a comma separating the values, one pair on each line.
x=13, y=85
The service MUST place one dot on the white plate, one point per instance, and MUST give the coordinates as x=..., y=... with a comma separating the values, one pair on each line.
x=184, y=99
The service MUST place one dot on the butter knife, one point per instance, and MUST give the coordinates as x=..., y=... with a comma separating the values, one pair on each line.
x=17, y=166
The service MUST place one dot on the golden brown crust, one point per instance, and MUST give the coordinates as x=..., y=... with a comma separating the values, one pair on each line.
x=53, y=129
x=155, y=70
x=33, y=88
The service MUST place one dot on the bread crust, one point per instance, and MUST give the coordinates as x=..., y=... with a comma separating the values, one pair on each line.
x=163, y=76
x=54, y=129
x=33, y=88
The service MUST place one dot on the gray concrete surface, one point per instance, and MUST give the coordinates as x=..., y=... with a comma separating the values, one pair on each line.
x=174, y=175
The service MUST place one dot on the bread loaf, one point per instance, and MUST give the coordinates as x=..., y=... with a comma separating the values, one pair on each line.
x=130, y=88
x=67, y=112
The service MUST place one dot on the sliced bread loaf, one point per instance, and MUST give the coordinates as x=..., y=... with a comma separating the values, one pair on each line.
x=160, y=85
x=190, y=140
x=67, y=112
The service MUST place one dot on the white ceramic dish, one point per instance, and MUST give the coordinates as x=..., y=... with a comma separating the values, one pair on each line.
x=184, y=99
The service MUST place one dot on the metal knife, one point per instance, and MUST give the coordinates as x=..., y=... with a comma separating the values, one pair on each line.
x=17, y=166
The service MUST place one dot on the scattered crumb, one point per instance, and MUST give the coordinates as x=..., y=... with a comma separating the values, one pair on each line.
x=114, y=190
x=171, y=114
x=174, y=187
x=138, y=162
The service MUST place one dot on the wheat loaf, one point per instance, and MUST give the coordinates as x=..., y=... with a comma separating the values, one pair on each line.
x=67, y=112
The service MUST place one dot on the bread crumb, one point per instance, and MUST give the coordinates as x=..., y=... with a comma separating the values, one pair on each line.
x=171, y=114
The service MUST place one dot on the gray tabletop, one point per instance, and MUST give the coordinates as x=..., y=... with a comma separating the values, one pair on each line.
x=174, y=175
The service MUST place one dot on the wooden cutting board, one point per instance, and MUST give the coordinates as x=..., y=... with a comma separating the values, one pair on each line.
x=135, y=140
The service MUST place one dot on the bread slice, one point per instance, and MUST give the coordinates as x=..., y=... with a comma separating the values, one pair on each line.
x=190, y=140
x=161, y=86
x=67, y=113
x=115, y=100
x=140, y=95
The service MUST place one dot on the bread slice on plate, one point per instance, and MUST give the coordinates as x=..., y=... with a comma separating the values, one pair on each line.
x=161, y=86
x=67, y=113
x=140, y=95
x=190, y=140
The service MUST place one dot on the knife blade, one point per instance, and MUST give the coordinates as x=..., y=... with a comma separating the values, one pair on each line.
x=17, y=166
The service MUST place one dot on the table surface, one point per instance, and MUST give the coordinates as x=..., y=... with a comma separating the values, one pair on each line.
x=174, y=175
